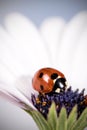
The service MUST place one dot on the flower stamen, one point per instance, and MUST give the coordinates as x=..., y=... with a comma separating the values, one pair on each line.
x=67, y=99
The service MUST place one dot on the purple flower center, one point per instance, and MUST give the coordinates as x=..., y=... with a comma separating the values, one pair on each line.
x=67, y=99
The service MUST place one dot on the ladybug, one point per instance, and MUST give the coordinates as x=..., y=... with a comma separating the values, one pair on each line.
x=48, y=80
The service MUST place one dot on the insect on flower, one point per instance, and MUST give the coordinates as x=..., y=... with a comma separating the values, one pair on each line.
x=23, y=51
x=48, y=79
x=51, y=87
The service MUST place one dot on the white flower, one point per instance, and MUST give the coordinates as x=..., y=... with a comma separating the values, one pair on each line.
x=24, y=49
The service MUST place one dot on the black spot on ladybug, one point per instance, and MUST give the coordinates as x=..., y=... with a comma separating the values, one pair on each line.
x=54, y=76
x=41, y=74
x=41, y=87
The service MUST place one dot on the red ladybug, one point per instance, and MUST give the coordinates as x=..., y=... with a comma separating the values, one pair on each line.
x=48, y=80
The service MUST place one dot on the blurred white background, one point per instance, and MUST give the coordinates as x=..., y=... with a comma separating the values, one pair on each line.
x=38, y=10
x=12, y=117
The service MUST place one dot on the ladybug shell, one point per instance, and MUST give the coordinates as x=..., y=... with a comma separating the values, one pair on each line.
x=44, y=79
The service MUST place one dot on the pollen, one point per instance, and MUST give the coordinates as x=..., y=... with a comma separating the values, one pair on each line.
x=37, y=100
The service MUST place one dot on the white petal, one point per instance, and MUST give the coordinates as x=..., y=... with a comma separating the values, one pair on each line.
x=13, y=95
x=24, y=85
x=5, y=74
x=8, y=54
x=52, y=29
x=12, y=99
x=69, y=42
x=79, y=66
x=11, y=68
x=29, y=46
